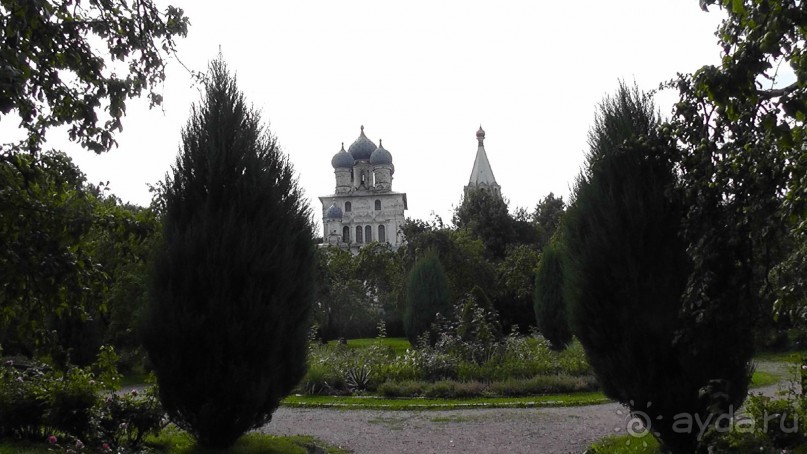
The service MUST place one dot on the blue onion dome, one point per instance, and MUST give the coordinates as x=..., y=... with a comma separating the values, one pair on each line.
x=342, y=159
x=381, y=156
x=333, y=212
x=362, y=148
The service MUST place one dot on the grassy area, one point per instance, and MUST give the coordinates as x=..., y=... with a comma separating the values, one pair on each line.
x=782, y=357
x=352, y=402
x=175, y=441
x=763, y=378
x=625, y=444
x=398, y=344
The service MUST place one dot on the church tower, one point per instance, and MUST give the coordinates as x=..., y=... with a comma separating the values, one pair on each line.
x=482, y=175
x=363, y=208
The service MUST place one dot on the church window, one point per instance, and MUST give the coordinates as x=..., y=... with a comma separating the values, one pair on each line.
x=368, y=234
x=378, y=205
x=382, y=234
x=346, y=234
x=347, y=206
x=358, y=234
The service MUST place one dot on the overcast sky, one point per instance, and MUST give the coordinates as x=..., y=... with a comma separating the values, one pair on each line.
x=422, y=76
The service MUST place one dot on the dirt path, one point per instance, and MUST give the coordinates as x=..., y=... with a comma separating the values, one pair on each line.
x=505, y=430
x=491, y=430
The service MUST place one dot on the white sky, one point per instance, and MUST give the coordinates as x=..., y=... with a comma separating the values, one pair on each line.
x=422, y=76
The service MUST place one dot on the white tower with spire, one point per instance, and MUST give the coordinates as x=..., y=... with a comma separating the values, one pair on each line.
x=482, y=175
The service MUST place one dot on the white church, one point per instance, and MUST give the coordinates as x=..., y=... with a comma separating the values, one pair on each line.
x=364, y=208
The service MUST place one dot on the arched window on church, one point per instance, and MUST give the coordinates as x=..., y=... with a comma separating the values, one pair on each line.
x=358, y=234
x=378, y=205
x=368, y=234
x=346, y=234
x=382, y=234
x=348, y=206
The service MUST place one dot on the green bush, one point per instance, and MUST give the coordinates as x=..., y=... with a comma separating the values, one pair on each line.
x=426, y=296
x=23, y=402
x=36, y=403
x=72, y=402
x=409, y=388
x=549, y=305
x=126, y=419
x=226, y=328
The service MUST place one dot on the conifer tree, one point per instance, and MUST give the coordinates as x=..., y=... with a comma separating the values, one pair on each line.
x=426, y=296
x=232, y=282
x=627, y=273
x=550, y=308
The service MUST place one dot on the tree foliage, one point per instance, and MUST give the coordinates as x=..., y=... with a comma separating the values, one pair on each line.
x=549, y=305
x=547, y=216
x=48, y=273
x=485, y=215
x=52, y=74
x=427, y=295
x=232, y=286
x=629, y=274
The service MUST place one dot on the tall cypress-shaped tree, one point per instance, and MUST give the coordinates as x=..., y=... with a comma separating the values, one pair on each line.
x=232, y=282
x=426, y=296
x=550, y=308
x=626, y=277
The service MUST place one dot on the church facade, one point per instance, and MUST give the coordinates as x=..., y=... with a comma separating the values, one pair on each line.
x=363, y=208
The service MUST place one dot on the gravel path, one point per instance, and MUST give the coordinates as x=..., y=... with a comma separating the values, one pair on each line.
x=488, y=430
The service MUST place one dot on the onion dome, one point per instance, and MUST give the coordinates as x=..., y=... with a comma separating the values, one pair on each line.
x=381, y=156
x=333, y=212
x=342, y=159
x=362, y=147
x=480, y=135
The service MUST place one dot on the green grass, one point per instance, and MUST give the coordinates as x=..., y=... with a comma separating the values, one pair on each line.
x=782, y=357
x=377, y=403
x=398, y=344
x=626, y=444
x=763, y=378
x=174, y=441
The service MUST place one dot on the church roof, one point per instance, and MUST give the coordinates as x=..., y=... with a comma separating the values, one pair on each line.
x=482, y=173
x=362, y=147
x=381, y=156
x=342, y=159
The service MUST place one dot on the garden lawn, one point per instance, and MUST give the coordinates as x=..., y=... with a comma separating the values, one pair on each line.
x=399, y=345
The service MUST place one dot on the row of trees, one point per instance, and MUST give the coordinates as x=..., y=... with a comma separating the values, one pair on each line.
x=672, y=230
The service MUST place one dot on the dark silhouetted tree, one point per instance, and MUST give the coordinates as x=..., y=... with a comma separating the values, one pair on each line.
x=550, y=307
x=233, y=280
x=547, y=216
x=628, y=276
x=485, y=215
x=426, y=296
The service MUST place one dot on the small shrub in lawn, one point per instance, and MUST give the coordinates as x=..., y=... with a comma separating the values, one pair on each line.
x=402, y=388
x=73, y=397
x=23, y=402
x=126, y=419
x=542, y=384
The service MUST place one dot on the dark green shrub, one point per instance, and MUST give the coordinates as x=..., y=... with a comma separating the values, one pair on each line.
x=72, y=402
x=626, y=270
x=226, y=329
x=426, y=296
x=550, y=308
x=402, y=388
x=23, y=401
x=126, y=419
